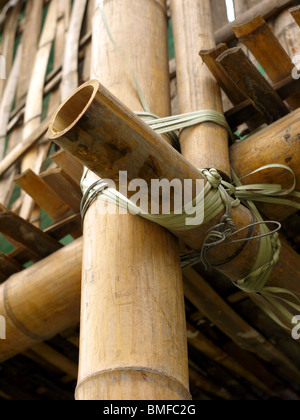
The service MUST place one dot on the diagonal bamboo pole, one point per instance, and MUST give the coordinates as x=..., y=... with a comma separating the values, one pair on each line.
x=133, y=334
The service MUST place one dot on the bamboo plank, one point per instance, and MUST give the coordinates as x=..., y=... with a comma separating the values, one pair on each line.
x=70, y=63
x=295, y=12
x=252, y=83
x=224, y=81
x=266, y=8
x=43, y=195
x=205, y=346
x=240, y=113
x=8, y=267
x=70, y=226
x=206, y=385
x=34, y=100
x=30, y=39
x=273, y=382
x=69, y=165
x=261, y=41
x=17, y=152
x=64, y=187
x=29, y=42
x=8, y=41
x=63, y=19
x=56, y=359
x=233, y=325
x=8, y=98
x=27, y=235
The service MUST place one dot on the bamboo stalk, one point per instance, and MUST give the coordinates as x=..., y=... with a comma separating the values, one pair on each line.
x=34, y=301
x=34, y=100
x=277, y=143
x=133, y=332
x=8, y=98
x=70, y=64
x=266, y=8
x=211, y=148
x=29, y=41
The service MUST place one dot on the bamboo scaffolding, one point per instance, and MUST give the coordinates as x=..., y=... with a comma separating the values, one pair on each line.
x=92, y=146
x=133, y=334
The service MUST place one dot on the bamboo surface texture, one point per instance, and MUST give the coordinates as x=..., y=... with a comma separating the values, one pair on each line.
x=133, y=333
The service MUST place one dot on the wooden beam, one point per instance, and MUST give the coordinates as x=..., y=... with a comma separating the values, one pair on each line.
x=258, y=37
x=212, y=150
x=43, y=195
x=69, y=165
x=64, y=187
x=253, y=84
x=223, y=316
x=266, y=8
x=205, y=346
x=26, y=235
x=8, y=267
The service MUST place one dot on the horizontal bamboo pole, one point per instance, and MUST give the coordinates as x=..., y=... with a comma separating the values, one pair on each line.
x=42, y=301
x=146, y=156
x=266, y=8
x=276, y=144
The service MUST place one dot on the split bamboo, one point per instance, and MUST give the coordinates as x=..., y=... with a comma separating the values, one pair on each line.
x=133, y=333
x=34, y=100
x=261, y=41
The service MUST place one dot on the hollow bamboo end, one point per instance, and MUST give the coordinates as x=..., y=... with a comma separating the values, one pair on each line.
x=72, y=110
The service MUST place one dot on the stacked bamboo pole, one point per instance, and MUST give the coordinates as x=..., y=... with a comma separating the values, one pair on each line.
x=133, y=333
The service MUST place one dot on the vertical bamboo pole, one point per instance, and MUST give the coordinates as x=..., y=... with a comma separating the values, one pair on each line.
x=133, y=334
x=205, y=146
